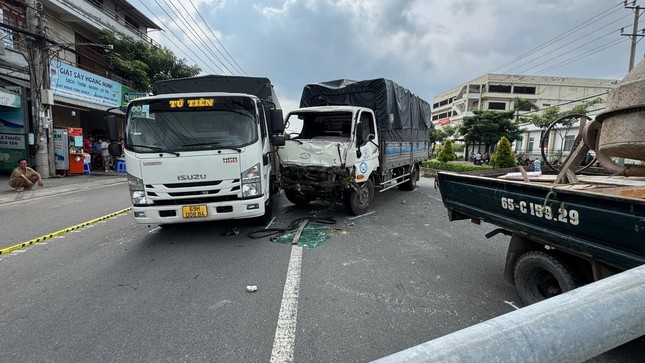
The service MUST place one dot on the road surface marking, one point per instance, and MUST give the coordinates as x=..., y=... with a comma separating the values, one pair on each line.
x=362, y=215
x=285, y=332
x=7, y=250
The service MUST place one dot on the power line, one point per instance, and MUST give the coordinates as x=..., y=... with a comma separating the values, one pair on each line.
x=561, y=36
x=216, y=38
x=180, y=28
x=576, y=58
x=196, y=35
x=171, y=32
x=551, y=52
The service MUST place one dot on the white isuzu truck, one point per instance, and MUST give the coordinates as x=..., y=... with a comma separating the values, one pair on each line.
x=352, y=137
x=201, y=149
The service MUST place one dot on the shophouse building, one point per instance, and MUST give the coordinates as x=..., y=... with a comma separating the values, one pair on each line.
x=498, y=92
x=51, y=51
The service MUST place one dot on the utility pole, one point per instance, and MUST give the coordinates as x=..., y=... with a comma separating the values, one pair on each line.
x=38, y=77
x=634, y=34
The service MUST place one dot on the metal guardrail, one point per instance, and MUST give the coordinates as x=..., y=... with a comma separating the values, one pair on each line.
x=572, y=327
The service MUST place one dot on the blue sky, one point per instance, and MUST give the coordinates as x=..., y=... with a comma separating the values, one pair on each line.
x=428, y=46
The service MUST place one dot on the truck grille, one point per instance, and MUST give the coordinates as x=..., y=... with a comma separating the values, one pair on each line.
x=194, y=192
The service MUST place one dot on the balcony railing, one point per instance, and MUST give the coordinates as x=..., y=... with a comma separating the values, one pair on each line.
x=121, y=20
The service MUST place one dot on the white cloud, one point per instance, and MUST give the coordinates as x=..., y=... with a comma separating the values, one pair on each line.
x=428, y=46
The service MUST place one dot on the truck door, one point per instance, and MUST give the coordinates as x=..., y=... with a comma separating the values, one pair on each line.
x=368, y=160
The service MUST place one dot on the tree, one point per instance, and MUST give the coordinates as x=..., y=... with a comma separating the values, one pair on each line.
x=446, y=154
x=451, y=131
x=523, y=104
x=143, y=63
x=503, y=157
x=442, y=133
x=488, y=127
x=437, y=134
x=551, y=114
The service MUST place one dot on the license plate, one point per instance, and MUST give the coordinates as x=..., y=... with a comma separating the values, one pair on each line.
x=194, y=211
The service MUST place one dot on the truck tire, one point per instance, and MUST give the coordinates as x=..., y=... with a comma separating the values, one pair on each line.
x=268, y=213
x=411, y=183
x=297, y=197
x=358, y=201
x=539, y=275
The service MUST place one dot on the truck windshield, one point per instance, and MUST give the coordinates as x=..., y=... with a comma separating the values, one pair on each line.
x=335, y=126
x=189, y=124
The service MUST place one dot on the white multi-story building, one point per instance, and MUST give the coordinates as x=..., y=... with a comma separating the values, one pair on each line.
x=499, y=92
x=69, y=37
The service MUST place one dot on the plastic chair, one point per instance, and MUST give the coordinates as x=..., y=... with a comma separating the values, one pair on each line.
x=86, y=168
x=120, y=165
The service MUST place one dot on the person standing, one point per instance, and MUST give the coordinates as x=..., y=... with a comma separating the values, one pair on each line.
x=107, y=158
x=24, y=177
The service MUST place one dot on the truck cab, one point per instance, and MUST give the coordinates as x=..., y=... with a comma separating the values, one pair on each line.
x=328, y=151
x=201, y=156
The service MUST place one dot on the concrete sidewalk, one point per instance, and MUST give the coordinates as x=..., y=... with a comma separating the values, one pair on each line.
x=58, y=185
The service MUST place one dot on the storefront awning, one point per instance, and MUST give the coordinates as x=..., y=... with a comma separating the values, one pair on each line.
x=86, y=105
x=14, y=80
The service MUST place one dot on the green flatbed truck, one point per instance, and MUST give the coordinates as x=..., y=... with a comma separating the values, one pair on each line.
x=562, y=235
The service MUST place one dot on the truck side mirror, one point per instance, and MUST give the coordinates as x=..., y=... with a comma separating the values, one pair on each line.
x=359, y=134
x=277, y=140
x=277, y=121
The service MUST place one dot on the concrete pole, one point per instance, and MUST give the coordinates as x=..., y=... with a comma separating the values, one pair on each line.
x=571, y=327
x=35, y=59
x=632, y=53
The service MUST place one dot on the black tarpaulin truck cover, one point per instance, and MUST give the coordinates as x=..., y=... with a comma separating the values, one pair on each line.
x=400, y=115
x=257, y=86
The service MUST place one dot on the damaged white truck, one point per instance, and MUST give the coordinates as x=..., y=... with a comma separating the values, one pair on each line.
x=350, y=138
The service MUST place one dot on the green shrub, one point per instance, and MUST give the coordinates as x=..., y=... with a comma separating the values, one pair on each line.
x=503, y=156
x=446, y=154
x=456, y=167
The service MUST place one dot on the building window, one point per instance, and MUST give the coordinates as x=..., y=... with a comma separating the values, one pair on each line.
x=568, y=143
x=499, y=88
x=435, y=105
x=11, y=17
x=518, y=144
x=496, y=106
x=530, y=145
x=435, y=117
x=573, y=88
x=524, y=90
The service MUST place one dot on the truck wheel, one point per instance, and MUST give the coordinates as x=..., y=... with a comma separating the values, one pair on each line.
x=539, y=276
x=268, y=213
x=411, y=184
x=358, y=201
x=297, y=197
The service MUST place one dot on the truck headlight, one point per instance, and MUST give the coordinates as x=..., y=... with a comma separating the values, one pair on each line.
x=252, y=182
x=137, y=191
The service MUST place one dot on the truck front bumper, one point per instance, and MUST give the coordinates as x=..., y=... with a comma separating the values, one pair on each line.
x=199, y=212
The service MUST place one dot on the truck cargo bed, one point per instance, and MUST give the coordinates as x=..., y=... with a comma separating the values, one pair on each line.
x=601, y=217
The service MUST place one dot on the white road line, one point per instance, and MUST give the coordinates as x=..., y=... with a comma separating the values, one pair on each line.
x=511, y=303
x=285, y=332
x=361, y=216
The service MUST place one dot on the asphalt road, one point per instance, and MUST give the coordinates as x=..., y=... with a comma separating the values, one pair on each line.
x=117, y=291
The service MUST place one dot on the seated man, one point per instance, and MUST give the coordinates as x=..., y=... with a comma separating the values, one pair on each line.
x=24, y=177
